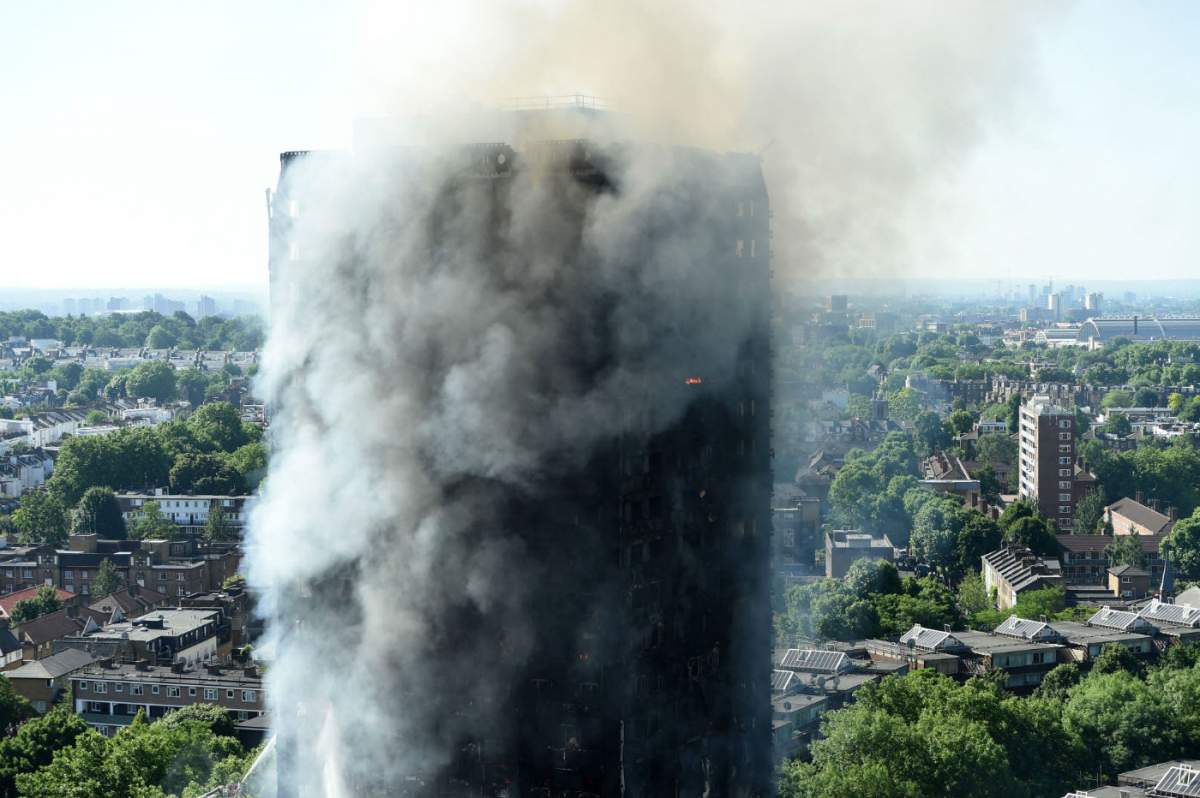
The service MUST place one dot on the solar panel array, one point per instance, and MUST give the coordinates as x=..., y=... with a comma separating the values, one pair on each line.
x=1178, y=614
x=1180, y=781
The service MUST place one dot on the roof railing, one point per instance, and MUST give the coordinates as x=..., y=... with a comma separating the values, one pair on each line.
x=552, y=102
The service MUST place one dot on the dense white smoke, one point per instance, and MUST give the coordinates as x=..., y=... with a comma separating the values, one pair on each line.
x=429, y=360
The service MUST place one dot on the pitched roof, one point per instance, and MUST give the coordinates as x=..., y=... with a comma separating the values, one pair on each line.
x=1128, y=570
x=1176, y=614
x=1026, y=629
x=814, y=660
x=1084, y=543
x=9, y=601
x=1122, y=620
x=129, y=603
x=1190, y=596
x=781, y=681
x=1141, y=515
x=8, y=642
x=1180, y=780
x=929, y=639
x=60, y=664
x=56, y=625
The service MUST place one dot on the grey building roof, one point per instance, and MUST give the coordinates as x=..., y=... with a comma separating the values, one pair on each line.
x=1120, y=620
x=1026, y=629
x=930, y=639
x=781, y=681
x=815, y=660
x=1128, y=570
x=1141, y=515
x=1152, y=774
x=229, y=677
x=1190, y=596
x=1179, y=780
x=987, y=644
x=1083, y=635
x=1140, y=329
x=53, y=666
x=1176, y=614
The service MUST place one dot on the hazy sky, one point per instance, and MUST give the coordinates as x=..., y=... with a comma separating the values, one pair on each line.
x=136, y=139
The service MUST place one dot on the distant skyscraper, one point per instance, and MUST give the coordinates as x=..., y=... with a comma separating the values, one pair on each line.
x=1047, y=457
x=206, y=306
x=117, y=303
x=1093, y=301
x=70, y=307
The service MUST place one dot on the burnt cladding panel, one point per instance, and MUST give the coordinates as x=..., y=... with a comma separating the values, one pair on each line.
x=695, y=531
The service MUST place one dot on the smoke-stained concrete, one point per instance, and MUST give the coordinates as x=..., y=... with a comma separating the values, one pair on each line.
x=505, y=541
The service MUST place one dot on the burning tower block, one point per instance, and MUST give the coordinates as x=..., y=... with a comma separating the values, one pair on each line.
x=627, y=650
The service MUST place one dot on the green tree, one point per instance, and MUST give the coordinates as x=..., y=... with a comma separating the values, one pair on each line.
x=213, y=717
x=117, y=386
x=251, y=462
x=1122, y=722
x=41, y=518
x=1116, y=399
x=996, y=448
x=1182, y=545
x=44, y=602
x=108, y=579
x=154, y=379
x=35, y=743
x=217, y=427
x=867, y=576
x=923, y=735
x=1125, y=550
x=1089, y=512
x=204, y=474
x=972, y=595
x=1117, y=424
x=218, y=529
x=14, y=709
x=191, y=384
x=160, y=337
x=143, y=760
x=935, y=532
x=1014, y=413
x=1058, y=682
x=978, y=536
x=150, y=524
x=930, y=432
x=98, y=513
x=924, y=601
x=1116, y=658
x=95, y=418
x=126, y=459
x=961, y=421
x=904, y=404
x=1035, y=532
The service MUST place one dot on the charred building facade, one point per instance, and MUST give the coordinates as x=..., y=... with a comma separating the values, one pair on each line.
x=647, y=671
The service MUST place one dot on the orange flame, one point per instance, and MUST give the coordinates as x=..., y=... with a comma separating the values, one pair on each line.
x=693, y=381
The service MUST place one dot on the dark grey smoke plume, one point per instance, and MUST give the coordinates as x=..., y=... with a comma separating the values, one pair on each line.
x=450, y=350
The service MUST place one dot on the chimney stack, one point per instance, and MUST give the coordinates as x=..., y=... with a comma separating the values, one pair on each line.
x=1173, y=512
